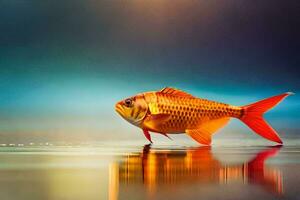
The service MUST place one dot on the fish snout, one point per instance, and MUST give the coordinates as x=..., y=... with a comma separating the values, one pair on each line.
x=119, y=107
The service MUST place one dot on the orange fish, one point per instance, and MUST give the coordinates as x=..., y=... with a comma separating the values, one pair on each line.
x=172, y=111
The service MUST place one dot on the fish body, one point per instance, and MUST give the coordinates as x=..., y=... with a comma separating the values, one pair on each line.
x=172, y=111
x=187, y=112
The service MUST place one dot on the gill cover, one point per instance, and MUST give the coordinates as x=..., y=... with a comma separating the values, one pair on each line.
x=134, y=109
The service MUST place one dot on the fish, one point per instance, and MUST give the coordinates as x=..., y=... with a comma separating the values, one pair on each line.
x=173, y=111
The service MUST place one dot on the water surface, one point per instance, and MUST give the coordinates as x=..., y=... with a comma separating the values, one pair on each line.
x=136, y=171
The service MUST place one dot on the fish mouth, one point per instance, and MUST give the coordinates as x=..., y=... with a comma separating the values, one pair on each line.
x=119, y=108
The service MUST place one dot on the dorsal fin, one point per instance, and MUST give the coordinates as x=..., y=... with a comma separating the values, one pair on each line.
x=173, y=91
x=203, y=133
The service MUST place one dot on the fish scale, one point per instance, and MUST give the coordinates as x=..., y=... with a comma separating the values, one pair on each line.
x=189, y=112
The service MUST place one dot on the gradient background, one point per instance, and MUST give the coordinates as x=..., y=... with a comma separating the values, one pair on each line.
x=64, y=64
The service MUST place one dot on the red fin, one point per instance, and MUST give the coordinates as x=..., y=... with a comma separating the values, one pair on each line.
x=173, y=91
x=147, y=135
x=253, y=117
x=204, y=132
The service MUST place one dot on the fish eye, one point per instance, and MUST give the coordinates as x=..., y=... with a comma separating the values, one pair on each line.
x=128, y=102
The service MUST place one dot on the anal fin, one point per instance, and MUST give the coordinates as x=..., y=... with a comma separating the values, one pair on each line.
x=203, y=132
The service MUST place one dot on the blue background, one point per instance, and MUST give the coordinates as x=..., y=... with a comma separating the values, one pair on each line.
x=64, y=64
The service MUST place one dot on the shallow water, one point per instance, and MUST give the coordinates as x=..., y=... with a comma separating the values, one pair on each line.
x=137, y=171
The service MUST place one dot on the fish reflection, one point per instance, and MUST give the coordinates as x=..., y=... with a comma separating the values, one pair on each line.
x=155, y=167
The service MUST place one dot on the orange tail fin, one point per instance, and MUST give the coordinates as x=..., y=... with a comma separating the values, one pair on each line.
x=253, y=117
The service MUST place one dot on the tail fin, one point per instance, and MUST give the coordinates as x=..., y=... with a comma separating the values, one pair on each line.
x=253, y=116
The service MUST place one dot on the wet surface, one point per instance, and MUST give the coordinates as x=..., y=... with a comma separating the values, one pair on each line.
x=127, y=171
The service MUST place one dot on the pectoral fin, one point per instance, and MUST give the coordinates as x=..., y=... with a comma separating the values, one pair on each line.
x=204, y=132
x=153, y=121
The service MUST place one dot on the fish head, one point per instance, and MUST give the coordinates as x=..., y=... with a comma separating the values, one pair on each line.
x=133, y=109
